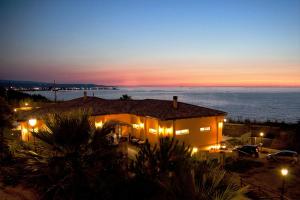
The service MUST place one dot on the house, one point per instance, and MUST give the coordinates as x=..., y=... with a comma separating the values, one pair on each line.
x=197, y=126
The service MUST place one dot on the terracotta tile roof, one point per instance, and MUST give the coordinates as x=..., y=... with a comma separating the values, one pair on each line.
x=161, y=109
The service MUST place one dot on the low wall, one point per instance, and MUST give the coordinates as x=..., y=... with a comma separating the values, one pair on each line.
x=236, y=130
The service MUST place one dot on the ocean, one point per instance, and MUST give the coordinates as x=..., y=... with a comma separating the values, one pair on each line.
x=260, y=104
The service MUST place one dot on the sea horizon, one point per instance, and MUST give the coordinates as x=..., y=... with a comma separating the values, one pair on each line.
x=259, y=104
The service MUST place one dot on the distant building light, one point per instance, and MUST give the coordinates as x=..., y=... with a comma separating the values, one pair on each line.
x=26, y=104
x=225, y=120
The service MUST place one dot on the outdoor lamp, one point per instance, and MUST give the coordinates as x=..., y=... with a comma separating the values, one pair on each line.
x=32, y=122
x=261, y=134
x=284, y=171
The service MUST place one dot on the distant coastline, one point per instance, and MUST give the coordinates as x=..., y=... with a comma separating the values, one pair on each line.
x=45, y=86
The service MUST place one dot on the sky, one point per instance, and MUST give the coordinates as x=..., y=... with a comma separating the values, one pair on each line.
x=152, y=43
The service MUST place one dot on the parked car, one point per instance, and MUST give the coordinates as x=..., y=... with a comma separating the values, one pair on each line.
x=285, y=156
x=248, y=150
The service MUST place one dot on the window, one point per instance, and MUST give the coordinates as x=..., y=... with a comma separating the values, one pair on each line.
x=202, y=129
x=182, y=132
x=152, y=130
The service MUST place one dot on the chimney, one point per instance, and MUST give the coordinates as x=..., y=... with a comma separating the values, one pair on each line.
x=84, y=94
x=175, y=104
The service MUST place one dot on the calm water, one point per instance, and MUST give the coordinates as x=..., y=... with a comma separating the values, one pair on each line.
x=282, y=104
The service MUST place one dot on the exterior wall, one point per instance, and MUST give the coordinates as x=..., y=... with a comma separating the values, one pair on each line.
x=152, y=128
x=195, y=137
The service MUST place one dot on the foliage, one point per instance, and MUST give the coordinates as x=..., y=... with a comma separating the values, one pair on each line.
x=212, y=182
x=83, y=164
x=6, y=116
x=125, y=97
x=16, y=97
x=169, y=169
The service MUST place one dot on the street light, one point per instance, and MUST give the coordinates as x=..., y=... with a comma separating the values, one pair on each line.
x=32, y=123
x=284, y=173
x=261, y=134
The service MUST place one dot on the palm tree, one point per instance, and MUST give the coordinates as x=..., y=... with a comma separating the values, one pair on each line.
x=171, y=171
x=81, y=152
x=5, y=122
x=125, y=97
x=213, y=183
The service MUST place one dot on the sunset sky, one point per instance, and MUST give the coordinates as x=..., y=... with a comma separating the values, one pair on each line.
x=152, y=43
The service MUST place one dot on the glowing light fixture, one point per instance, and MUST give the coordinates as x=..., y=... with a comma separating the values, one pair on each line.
x=141, y=125
x=161, y=130
x=152, y=130
x=220, y=124
x=194, y=150
x=26, y=104
x=32, y=122
x=261, y=134
x=99, y=124
x=205, y=129
x=284, y=172
x=182, y=132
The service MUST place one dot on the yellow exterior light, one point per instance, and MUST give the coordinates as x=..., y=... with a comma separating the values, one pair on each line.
x=161, y=130
x=26, y=104
x=182, y=132
x=225, y=120
x=284, y=172
x=261, y=134
x=220, y=124
x=141, y=125
x=194, y=150
x=98, y=124
x=169, y=131
x=152, y=130
x=136, y=126
x=32, y=122
x=15, y=110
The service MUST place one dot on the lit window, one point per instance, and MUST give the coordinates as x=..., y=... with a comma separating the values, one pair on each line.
x=220, y=124
x=182, y=132
x=98, y=124
x=202, y=129
x=137, y=126
x=152, y=130
x=161, y=130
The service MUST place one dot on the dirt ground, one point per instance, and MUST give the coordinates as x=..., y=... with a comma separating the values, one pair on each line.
x=17, y=193
x=268, y=177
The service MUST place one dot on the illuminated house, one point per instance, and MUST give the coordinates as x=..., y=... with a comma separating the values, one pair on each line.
x=197, y=126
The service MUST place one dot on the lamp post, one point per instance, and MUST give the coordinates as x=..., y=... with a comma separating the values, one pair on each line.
x=261, y=134
x=284, y=173
x=32, y=123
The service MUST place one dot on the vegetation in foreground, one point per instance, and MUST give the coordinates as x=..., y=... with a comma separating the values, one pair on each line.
x=81, y=163
x=18, y=98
